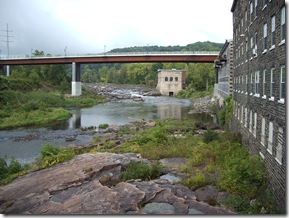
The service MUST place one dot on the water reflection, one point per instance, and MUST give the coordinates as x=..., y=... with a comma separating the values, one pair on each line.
x=120, y=113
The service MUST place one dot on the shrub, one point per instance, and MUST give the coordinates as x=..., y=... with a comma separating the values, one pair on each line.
x=9, y=172
x=103, y=126
x=51, y=155
x=49, y=150
x=210, y=135
x=140, y=170
x=195, y=181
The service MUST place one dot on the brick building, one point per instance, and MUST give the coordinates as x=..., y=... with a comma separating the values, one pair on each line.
x=259, y=79
x=224, y=71
x=170, y=82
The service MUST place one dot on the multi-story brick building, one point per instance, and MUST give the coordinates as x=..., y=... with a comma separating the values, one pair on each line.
x=259, y=78
x=170, y=82
x=224, y=71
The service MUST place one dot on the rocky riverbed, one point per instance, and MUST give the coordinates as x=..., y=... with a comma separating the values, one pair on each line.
x=117, y=92
x=90, y=184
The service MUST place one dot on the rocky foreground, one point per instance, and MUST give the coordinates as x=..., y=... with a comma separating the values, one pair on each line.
x=90, y=184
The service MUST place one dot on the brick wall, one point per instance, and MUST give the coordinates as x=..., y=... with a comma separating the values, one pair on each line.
x=263, y=131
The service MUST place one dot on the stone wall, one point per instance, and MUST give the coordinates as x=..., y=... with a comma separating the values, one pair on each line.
x=259, y=99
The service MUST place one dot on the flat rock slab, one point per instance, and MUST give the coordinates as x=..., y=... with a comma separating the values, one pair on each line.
x=158, y=208
x=90, y=184
x=174, y=163
x=171, y=178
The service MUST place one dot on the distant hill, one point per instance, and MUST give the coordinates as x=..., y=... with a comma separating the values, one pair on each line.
x=197, y=46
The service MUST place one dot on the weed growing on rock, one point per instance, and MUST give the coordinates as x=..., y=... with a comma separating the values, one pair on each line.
x=9, y=172
x=140, y=170
x=51, y=155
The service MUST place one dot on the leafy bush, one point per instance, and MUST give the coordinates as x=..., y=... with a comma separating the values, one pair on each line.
x=103, y=126
x=140, y=170
x=210, y=135
x=51, y=155
x=245, y=205
x=49, y=150
x=225, y=114
x=195, y=181
x=4, y=83
x=242, y=174
x=9, y=172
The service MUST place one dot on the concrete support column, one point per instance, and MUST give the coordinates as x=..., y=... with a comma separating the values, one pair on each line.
x=8, y=70
x=76, y=82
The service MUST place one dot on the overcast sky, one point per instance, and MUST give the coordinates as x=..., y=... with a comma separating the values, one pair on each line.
x=95, y=26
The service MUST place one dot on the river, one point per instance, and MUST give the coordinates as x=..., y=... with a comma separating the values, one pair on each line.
x=24, y=144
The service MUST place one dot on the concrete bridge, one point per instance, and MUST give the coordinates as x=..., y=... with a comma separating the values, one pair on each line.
x=123, y=57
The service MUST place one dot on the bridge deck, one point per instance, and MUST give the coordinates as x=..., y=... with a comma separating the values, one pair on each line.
x=139, y=57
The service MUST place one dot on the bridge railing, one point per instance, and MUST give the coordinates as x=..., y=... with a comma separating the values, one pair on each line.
x=115, y=54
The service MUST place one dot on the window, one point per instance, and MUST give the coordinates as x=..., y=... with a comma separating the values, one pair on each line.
x=264, y=83
x=273, y=28
x=242, y=111
x=246, y=115
x=282, y=82
x=256, y=4
x=176, y=79
x=256, y=43
x=279, y=146
x=265, y=3
x=263, y=131
x=283, y=28
x=257, y=83
x=246, y=48
x=265, y=37
x=270, y=138
x=251, y=121
x=247, y=85
x=171, y=78
x=252, y=83
x=255, y=125
x=239, y=111
x=243, y=88
x=272, y=83
x=251, y=11
x=252, y=45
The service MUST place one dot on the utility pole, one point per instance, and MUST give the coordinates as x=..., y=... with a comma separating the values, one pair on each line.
x=8, y=36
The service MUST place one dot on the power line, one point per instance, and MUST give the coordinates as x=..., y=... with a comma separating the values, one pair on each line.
x=7, y=31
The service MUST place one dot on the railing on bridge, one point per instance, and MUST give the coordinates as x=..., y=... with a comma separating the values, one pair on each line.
x=117, y=54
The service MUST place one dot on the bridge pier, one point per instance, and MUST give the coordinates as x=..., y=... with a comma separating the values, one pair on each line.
x=8, y=70
x=76, y=82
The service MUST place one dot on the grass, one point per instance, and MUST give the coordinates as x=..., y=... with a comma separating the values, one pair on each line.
x=38, y=107
x=18, y=118
x=141, y=170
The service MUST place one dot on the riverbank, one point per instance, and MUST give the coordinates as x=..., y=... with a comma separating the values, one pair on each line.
x=26, y=104
x=190, y=180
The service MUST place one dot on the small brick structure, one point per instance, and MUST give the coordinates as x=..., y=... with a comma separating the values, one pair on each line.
x=170, y=82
